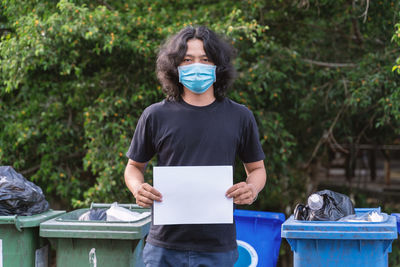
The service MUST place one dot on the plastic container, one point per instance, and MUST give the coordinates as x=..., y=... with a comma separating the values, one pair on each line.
x=20, y=244
x=258, y=237
x=315, y=202
x=322, y=243
x=97, y=243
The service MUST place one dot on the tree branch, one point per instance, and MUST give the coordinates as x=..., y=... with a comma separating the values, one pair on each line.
x=326, y=134
x=36, y=167
x=336, y=145
x=365, y=128
x=365, y=14
x=356, y=28
x=30, y=170
x=329, y=64
x=106, y=4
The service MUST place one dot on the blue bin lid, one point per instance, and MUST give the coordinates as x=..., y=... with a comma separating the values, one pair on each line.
x=397, y=215
x=295, y=229
x=270, y=216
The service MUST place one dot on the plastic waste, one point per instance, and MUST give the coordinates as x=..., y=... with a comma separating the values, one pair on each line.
x=114, y=213
x=117, y=213
x=19, y=196
x=315, y=202
x=94, y=215
x=372, y=216
x=324, y=205
x=84, y=216
x=301, y=212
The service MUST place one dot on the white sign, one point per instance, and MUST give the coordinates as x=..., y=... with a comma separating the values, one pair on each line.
x=193, y=195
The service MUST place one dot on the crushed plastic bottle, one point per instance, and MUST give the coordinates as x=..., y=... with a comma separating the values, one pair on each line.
x=315, y=202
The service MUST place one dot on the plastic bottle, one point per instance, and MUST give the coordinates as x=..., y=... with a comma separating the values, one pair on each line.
x=315, y=202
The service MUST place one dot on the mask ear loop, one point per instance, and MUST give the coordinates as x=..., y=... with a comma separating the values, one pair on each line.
x=179, y=74
x=215, y=73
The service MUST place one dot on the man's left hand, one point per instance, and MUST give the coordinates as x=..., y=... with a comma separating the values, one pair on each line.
x=242, y=193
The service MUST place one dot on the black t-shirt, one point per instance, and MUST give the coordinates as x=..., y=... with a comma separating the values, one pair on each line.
x=185, y=135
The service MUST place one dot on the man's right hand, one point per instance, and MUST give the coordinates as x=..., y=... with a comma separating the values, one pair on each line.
x=145, y=195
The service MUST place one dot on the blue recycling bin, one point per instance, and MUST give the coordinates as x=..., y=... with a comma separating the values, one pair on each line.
x=258, y=237
x=333, y=243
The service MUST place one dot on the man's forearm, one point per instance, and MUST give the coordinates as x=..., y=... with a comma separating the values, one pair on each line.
x=133, y=178
x=257, y=178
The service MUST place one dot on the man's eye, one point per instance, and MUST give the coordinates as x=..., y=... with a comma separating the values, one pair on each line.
x=205, y=59
x=186, y=60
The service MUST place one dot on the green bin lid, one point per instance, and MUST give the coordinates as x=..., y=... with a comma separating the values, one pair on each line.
x=69, y=226
x=30, y=221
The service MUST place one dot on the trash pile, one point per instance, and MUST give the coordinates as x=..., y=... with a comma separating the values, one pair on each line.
x=114, y=213
x=324, y=205
x=327, y=205
x=19, y=196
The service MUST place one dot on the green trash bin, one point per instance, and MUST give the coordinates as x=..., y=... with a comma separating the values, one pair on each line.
x=97, y=243
x=20, y=243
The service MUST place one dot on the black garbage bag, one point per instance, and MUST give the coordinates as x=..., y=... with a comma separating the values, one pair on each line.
x=98, y=214
x=301, y=212
x=333, y=207
x=19, y=196
x=94, y=215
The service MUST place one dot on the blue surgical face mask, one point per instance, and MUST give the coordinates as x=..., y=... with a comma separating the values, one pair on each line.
x=197, y=77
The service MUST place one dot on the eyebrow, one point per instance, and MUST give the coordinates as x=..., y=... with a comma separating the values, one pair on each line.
x=189, y=55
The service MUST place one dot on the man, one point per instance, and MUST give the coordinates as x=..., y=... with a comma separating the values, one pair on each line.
x=196, y=125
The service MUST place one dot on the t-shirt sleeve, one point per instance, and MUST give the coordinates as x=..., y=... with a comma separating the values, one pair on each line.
x=142, y=145
x=250, y=149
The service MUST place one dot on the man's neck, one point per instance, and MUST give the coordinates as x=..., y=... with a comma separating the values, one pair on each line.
x=199, y=100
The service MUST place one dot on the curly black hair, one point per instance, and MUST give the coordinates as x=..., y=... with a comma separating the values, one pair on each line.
x=172, y=53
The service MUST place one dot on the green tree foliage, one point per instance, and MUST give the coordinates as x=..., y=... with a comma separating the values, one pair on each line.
x=396, y=38
x=76, y=75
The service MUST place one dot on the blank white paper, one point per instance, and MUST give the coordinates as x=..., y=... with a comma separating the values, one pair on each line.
x=193, y=195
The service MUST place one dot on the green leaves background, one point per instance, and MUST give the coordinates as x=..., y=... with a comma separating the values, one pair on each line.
x=76, y=75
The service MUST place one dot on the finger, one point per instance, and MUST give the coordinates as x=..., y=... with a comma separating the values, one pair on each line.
x=236, y=193
x=239, y=191
x=144, y=197
x=147, y=191
x=153, y=191
x=148, y=195
x=144, y=200
x=243, y=201
x=243, y=197
x=142, y=204
x=234, y=188
x=231, y=189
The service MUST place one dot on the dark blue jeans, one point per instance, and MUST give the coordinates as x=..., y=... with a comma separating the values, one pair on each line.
x=154, y=256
